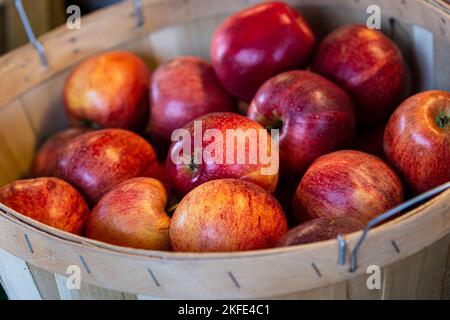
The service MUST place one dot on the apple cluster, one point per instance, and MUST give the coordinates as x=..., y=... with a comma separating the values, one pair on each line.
x=350, y=146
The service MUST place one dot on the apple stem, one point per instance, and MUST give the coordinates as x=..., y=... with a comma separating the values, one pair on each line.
x=172, y=208
x=193, y=166
x=443, y=120
x=277, y=123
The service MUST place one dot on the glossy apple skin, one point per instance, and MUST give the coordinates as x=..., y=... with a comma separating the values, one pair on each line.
x=257, y=43
x=320, y=229
x=227, y=215
x=183, y=89
x=109, y=90
x=417, y=144
x=315, y=117
x=97, y=161
x=347, y=183
x=51, y=201
x=184, y=178
x=370, y=140
x=158, y=171
x=369, y=66
x=44, y=163
x=132, y=215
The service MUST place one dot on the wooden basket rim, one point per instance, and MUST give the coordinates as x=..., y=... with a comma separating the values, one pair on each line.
x=36, y=226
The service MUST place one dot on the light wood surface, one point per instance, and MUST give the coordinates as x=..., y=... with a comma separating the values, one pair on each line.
x=35, y=257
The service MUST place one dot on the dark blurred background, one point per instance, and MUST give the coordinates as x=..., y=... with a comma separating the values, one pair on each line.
x=2, y=294
x=44, y=15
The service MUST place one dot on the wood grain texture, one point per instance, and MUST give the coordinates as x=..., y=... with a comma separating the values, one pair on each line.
x=445, y=292
x=45, y=108
x=337, y=291
x=86, y=292
x=16, y=278
x=18, y=134
x=419, y=276
x=45, y=283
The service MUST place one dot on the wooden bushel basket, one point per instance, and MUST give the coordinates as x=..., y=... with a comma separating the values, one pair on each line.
x=412, y=251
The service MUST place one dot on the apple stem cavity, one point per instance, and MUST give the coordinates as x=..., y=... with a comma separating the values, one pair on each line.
x=443, y=120
x=193, y=166
x=87, y=123
x=276, y=123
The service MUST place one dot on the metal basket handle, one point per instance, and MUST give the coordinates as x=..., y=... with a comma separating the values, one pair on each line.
x=30, y=34
x=38, y=45
x=388, y=214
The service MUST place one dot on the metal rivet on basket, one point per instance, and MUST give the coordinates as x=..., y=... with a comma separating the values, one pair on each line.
x=27, y=240
x=390, y=213
x=341, y=242
x=236, y=283
x=153, y=277
x=138, y=13
x=316, y=269
x=85, y=264
x=394, y=244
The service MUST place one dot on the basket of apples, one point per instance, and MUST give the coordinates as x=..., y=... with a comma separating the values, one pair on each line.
x=225, y=150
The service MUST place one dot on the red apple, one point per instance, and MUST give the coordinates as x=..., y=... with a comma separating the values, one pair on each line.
x=48, y=200
x=347, y=183
x=313, y=114
x=227, y=215
x=320, y=229
x=257, y=43
x=132, y=215
x=369, y=66
x=370, y=140
x=185, y=176
x=417, y=140
x=97, y=161
x=158, y=171
x=181, y=90
x=109, y=90
x=45, y=160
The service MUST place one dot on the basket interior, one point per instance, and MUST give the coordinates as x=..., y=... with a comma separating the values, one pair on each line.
x=33, y=116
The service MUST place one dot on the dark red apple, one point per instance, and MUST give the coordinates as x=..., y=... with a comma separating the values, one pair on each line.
x=48, y=200
x=417, y=140
x=257, y=43
x=347, y=183
x=320, y=229
x=45, y=160
x=109, y=90
x=183, y=89
x=158, y=170
x=370, y=140
x=227, y=215
x=187, y=175
x=97, y=161
x=369, y=66
x=132, y=214
x=313, y=114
